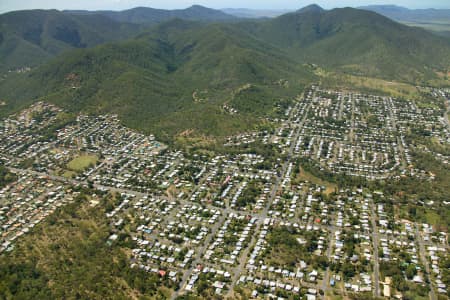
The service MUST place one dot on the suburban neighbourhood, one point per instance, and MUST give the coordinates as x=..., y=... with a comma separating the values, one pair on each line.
x=245, y=222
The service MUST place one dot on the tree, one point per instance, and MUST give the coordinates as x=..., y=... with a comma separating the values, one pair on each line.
x=348, y=270
x=411, y=271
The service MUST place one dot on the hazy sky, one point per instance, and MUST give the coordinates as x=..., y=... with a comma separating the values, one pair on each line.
x=8, y=5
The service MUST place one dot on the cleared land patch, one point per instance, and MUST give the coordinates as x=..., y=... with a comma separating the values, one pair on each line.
x=82, y=162
x=306, y=176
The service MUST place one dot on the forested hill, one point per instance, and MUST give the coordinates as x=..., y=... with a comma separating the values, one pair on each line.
x=356, y=41
x=353, y=40
x=179, y=74
x=29, y=38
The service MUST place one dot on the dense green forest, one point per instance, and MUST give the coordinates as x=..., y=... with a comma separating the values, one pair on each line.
x=151, y=82
x=356, y=41
x=31, y=38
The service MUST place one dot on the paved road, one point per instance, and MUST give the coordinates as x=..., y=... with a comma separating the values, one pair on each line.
x=264, y=213
x=242, y=261
x=447, y=112
x=352, y=123
x=260, y=216
x=375, y=240
x=198, y=257
x=341, y=108
x=53, y=177
x=326, y=277
x=399, y=146
x=423, y=258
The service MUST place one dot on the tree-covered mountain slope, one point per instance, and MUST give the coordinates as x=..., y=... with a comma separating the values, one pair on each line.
x=179, y=75
x=29, y=38
x=356, y=41
x=173, y=73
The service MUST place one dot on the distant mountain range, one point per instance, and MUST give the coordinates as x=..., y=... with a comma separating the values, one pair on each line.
x=28, y=38
x=413, y=15
x=435, y=20
x=255, y=13
x=148, y=16
x=177, y=74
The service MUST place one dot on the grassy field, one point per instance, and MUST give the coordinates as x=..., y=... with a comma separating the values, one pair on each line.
x=306, y=176
x=432, y=217
x=69, y=174
x=443, y=80
x=80, y=163
x=330, y=295
x=393, y=88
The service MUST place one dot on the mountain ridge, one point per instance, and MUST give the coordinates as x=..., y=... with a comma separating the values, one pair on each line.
x=403, y=13
x=436, y=21
x=149, y=16
x=30, y=37
x=255, y=13
x=179, y=74
x=150, y=80
x=347, y=37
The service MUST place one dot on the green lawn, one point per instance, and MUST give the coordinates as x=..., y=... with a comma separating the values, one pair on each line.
x=370, y=84
x=432, y=217
x=69, y=174
x=329, y=187
x=80, y=163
